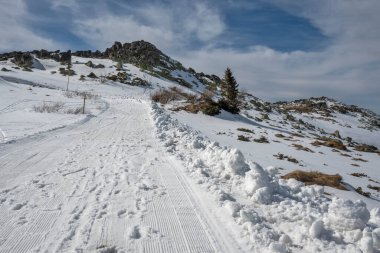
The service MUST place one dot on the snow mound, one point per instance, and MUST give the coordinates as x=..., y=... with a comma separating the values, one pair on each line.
x=274, y=215
x=345, y=214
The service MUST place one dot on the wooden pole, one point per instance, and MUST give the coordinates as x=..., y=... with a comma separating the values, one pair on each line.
x=68, y=80
x=84, y=102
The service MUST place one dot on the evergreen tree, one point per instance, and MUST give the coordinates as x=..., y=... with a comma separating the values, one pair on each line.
x=230, y=92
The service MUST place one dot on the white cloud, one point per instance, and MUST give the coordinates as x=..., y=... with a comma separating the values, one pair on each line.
x=273, y=75
x=71, y=4
x=347, y=69
x=205, y=22
x=103, y=31
x=15, y=33
x=170, y=27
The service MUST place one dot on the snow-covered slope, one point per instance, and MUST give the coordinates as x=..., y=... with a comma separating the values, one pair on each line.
x=130, y=175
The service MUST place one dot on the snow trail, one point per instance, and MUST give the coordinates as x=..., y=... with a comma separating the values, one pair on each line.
x=105, y=186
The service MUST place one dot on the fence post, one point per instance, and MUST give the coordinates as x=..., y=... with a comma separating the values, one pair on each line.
x=84, y=102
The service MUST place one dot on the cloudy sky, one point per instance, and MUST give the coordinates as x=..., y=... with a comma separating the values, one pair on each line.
x=278, y=49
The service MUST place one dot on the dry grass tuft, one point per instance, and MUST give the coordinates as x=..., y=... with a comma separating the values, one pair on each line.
x=299, y=108
x=330, y=143
x=288, y=158
x=360, y=191
x=366, y=148
x=300, y=147
x=359, y=159
x=317, y=178
x=279, y=135
x=357, y=174
x=373, y=187
x=298, y=135
x=165, y=96
x=371, y=180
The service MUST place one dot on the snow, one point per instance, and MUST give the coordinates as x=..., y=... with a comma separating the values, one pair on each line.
x=131, y=176
x=348, y=126
x=223, y=129
x=331, y=225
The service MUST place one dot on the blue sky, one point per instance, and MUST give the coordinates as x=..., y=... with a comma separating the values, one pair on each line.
x=278, y=49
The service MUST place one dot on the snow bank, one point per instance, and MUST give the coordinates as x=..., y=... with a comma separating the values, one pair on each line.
x=274, y=215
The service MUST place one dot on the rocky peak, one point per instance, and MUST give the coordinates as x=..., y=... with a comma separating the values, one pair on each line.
x=140, y=53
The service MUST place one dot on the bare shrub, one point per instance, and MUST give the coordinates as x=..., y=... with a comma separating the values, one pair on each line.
x=77, y=110
x=358, y=174
x=48, y=107
x=204, y=104
x=103, y=79
x=165, y=96
x=72, y=94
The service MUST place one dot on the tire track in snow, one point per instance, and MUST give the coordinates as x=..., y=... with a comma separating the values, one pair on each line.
x=104, y=185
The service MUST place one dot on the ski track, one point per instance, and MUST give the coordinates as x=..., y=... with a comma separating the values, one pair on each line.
x=106, y=186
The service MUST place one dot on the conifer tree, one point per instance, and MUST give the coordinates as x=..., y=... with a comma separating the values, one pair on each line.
x=230, y=92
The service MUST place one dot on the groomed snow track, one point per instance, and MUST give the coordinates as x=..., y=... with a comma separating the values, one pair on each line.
x=105, y=186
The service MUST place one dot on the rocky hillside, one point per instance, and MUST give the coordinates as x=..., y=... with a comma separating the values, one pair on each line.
x=317, y=116
x=139, y=53
x=311, y=163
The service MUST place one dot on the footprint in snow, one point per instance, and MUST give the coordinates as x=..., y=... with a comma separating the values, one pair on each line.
x=18, y=206
x=121, y=213
x=105, y=249
x=22, y=220
x=134, y=232
x=101, y=214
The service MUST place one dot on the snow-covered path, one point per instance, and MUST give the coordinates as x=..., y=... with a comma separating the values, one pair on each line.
x=106, y=186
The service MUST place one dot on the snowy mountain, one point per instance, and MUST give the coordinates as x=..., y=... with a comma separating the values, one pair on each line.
x=126, y=150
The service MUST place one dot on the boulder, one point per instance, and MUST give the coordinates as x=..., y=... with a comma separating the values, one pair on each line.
x=139, y=82
x=89, y=64
x=140, y=53
x=23, y=60
x=65, y=57
x=92, y=75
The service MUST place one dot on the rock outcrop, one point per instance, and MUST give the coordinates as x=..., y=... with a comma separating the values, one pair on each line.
x=23, y=60
x=140, y=53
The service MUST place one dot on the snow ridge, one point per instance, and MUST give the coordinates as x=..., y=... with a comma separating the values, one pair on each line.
x=273, y=215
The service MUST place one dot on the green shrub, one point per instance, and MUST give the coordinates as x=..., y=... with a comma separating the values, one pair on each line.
x=262, y=139
x=243, y=138
x=245, y=130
